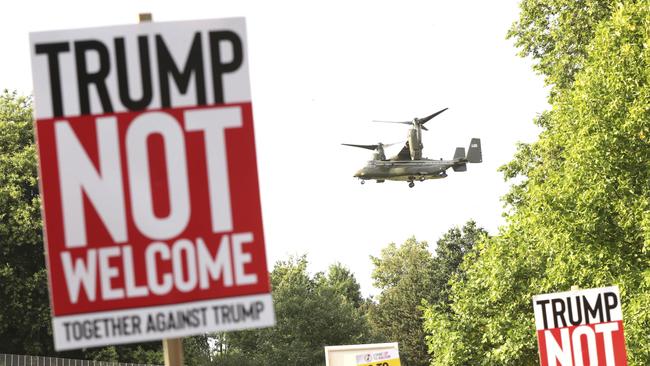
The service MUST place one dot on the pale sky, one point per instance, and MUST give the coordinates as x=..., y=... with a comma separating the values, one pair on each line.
x=320, y=72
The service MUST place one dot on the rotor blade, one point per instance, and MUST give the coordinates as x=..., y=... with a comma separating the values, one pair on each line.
x=427, y=118
x=424, y=128
x=394, y=143
x=402, y=122
x=369, y=147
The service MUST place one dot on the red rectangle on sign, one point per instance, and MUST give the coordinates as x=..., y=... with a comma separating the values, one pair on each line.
x=602, y=343
x=127, y=263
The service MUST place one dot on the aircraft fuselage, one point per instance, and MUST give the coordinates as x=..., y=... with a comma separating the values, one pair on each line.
x=405, y=170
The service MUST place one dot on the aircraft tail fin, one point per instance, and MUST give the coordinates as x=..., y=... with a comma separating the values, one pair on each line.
x=460, y=153
x=474, y=154
x=459, y=156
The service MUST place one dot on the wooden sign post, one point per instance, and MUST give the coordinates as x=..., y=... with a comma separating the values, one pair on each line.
x=173, y=351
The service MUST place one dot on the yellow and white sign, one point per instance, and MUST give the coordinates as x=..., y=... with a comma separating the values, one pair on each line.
x=388, y=357
x=377, y=354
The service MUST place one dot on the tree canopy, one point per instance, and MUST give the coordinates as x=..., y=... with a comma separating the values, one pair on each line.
x=311, y=312
x=556, y=34
x=409, y=274
x=23, y=279
x=404, y=275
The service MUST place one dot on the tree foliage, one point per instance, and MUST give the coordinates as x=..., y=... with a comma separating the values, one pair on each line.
x=556, y=34
x=23, y=280
x=582, y=216
x=408, y=275
x=144, y=353
x=451, y=250
x=342, y=281
x=311, y=312
x=404, y=275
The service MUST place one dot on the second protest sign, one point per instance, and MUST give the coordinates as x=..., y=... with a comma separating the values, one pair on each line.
x=583, y=327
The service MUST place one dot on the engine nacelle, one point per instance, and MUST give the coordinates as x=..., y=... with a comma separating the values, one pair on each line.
x=415, y=145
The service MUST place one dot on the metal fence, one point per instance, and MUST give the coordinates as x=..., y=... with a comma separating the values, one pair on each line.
x=24, y=360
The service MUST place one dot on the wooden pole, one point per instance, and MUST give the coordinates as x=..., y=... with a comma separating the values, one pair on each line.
x=172, y=347
x=145, y=17
x=173, y=350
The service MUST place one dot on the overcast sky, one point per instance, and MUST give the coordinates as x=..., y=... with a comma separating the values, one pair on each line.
x=320, y=72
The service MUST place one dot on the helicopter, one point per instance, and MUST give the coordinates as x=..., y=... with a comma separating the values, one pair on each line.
x=409, y=165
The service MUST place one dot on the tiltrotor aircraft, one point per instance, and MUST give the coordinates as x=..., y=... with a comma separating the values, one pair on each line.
x=409, y=165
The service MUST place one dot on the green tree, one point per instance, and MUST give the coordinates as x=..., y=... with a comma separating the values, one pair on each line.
x=342, y=281
x=24, y=314
x=311, y=312
x=582, y=216
x=146, y=353
x=556, y=34
x=408, y=275
x=404, y=275
x=196, y=350
x=450, y=252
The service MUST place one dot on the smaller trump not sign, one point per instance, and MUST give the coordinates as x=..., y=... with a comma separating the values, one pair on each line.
x=583, y=327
